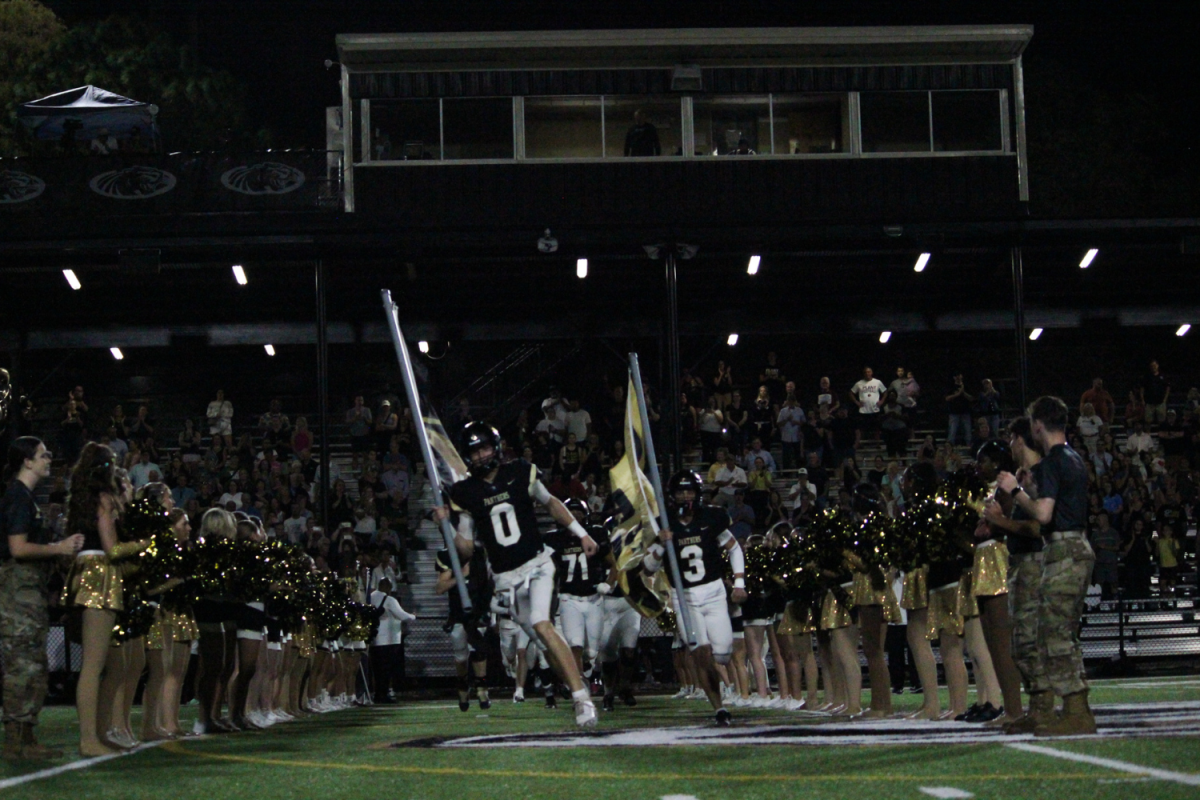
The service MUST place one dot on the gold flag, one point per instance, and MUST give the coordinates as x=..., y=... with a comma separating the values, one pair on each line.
x=636, y=511
x=450, y=465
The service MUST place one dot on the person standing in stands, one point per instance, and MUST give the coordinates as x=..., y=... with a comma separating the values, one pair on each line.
x=26, y=558
x=642, y=138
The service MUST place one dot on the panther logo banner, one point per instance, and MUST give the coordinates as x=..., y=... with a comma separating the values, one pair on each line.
x=19, y=187
x=133, y=183
x=269, y=177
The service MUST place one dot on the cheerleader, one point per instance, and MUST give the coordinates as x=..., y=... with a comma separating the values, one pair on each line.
x=842, y=637
x=760, y=611
x=795, y=635
x=215, y=618
x=156, y=639
x=251, y=622
x=179, y=631
x=920, y=481
x=876, y=605
x=94, y=584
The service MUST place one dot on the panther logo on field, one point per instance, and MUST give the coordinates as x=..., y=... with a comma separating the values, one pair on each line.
x=269, y=177
x=133, y=183
x=19, y=187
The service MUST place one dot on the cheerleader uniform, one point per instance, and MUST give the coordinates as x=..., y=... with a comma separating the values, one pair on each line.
x=93, y=581
x=872, y=589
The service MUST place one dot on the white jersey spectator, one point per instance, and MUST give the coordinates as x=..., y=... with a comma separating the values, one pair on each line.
x=390, y=631
x=868, y=393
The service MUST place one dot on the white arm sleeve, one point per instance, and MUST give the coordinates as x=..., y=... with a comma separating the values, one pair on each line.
x=653, y=560
x=539, y=492
x=466, y=528
x=737, y=559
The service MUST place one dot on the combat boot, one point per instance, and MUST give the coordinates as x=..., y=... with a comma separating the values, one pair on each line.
x=31, y=749
x=1076, y=718
x=1041, y=712
x=12, y=740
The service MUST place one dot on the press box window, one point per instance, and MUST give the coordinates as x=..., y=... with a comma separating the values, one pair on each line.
x=815, y=123
x=966, y=121
x=895, y=122
x=477, y=128
x=563, y=127
x=405, y=130
x=642, y=126
x=732, y=125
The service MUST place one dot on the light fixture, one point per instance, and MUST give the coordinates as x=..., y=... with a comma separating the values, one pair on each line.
x=581, y=268
x=1183, y=329
x=239, y=274
x=423, y=346
x=116, y=353
x=69, y=274
x=1088, y=258
x=922, y=261
x=1034, y=334
x=883, y=337
x=732, y=340
x=752, y=267
x=270, y=348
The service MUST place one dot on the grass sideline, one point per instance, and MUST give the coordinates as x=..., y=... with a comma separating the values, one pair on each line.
x=349, y=754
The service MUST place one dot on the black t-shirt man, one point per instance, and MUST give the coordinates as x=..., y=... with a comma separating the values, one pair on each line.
x=19, y=514
x=1064, y=478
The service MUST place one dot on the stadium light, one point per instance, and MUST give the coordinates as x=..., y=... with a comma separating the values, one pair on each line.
x=270, y=348
x=1088, y=258
x=1034, y=334
x=922, y=262
x=883, y=337
x=116, y=353
x=69, y=274
x=239, y=274
x=423, y=346
x=732, y=340
x=581, y=268
x=1183, y=329
x=752, y=267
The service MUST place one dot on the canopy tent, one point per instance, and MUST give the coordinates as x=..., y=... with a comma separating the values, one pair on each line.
x=94, y=111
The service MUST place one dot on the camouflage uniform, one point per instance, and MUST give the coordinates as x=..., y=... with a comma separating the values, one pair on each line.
x=24, y=625
x=1025, y=600
x=1066, y=572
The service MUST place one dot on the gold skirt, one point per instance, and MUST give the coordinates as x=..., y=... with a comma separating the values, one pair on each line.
x=834, y=614
x=989, y=572
x=94, y=583
x=943, y=610
x=916, y=589
x=181, y=626
x=967, y=607
x=305, y=643
x=864, y=593
x=156, y=637
x=797, y=620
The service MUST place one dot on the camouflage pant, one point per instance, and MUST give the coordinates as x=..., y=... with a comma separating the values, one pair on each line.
x=24, y=624
x=1066, y=573
x=1024, y=601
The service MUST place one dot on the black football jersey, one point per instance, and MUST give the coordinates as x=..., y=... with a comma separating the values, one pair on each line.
x=575, y=572
x=505, y=522
x=702, y=557
x=479, y=585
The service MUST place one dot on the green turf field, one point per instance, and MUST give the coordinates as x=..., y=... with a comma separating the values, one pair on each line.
x=354, y=753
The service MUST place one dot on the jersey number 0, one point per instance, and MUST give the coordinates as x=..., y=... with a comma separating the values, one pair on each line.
x=504, y=524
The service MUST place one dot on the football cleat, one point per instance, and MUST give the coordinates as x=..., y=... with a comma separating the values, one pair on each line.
x=610, y=702
x=485, y=702
x=723, y=718
x=519, y=695
x=551, y=702
x=585, y=713
x=627, y=698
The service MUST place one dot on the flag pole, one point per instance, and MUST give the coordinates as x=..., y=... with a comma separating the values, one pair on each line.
x=414, y=404
x=685, y=619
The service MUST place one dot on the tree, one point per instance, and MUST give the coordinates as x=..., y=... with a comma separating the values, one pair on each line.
x=26, y=30
x=199, y=108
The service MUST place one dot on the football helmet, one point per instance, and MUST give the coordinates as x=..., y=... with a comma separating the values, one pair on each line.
x=579, y=509
x=685, y=479
x=476, y=435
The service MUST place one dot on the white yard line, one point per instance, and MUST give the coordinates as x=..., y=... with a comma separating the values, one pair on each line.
x=945, y=792
x=82, y=763
x=1109, y=763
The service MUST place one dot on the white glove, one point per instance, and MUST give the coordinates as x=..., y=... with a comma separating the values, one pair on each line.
x=603, y=589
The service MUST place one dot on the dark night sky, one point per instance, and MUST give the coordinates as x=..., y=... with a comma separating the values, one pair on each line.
x=277, y=46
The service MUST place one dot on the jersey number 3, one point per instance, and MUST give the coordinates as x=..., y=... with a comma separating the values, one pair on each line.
x=504, y=524
x=694, y=557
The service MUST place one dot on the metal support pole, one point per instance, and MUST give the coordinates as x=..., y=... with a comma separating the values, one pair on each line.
x=672, y=405
x=685, y=614
x=1018, y=276
x=323, y=393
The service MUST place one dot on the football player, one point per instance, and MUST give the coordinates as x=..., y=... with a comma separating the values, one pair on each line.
x=578, y=575
x=467, y=631
x=495, y=505
x=701, y=534
x=618, y=639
